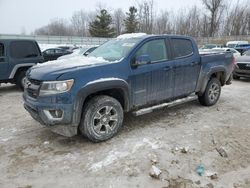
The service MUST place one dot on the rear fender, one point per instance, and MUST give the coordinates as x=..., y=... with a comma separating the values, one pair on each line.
x=207, y=76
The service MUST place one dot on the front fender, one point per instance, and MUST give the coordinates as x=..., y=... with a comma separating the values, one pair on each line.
x=98, y=86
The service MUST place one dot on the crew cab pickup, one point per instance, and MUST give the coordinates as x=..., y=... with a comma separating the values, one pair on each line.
x=89, y=95
x=16, y=57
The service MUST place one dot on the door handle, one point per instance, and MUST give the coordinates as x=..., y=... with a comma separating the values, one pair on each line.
x=194, y=63
x=166, y=68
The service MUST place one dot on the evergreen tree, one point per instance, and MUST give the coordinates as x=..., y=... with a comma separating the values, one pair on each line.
x=131, y=23
x=101, y=26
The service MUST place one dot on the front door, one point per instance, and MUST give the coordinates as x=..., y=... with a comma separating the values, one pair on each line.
x=152, y=82
x=4, y=65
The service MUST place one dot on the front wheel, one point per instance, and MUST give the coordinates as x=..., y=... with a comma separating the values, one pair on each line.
x=212, y=93
x=20, y=80
x=101, y=119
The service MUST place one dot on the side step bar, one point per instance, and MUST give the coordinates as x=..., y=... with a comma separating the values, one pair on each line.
x=169, y=104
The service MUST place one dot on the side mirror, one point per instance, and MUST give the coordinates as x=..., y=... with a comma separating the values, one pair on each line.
x=141, y=60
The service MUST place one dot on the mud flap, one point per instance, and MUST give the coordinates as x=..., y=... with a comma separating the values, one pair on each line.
x=229, y=81
x=64, y=130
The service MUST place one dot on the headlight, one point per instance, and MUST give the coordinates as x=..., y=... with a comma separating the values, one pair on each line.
x=55, y=87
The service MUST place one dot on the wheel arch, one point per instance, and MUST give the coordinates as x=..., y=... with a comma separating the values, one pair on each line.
x=19, y=68
x=219, y=73
x=117, y=89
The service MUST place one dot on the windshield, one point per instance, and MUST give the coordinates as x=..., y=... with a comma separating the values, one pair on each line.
x=115, y=49
x=231, y=45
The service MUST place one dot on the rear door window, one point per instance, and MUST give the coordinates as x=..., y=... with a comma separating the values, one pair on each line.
x=155, y=49
x=23, y=49
x=2, y=50
x=58, y=51
x=182, y=48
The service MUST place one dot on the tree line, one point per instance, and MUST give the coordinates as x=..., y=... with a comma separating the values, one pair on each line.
x=213, y=18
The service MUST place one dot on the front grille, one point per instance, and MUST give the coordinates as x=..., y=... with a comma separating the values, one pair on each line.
x=33, y=87
x=244, y=66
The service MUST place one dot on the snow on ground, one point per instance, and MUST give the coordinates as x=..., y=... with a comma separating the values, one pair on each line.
x=176, y=140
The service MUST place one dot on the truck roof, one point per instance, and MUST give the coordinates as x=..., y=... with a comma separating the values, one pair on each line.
x=144, y=35
x=9, y=40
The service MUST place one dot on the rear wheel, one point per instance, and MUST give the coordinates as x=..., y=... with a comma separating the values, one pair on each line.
x=20, y=79
x=212, y=93
x=101, y=119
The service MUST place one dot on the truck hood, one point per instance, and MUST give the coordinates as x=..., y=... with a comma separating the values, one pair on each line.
x=245, y=59
x=51, y=70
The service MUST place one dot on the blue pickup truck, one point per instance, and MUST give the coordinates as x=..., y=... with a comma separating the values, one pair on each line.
x=89, y=95
x=16, y=57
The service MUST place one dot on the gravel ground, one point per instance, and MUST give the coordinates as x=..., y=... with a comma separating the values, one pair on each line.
x=176, y=140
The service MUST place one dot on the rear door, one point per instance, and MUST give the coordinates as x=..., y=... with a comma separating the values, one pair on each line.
x=152, y=82
x=186, y=66
x=4, y=65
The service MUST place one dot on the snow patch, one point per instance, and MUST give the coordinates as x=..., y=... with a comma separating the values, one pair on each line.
x=74, y=62
x=111, y=158
x=46, y=143
x=6, y=139
x=131, y=35
x=154, y=144
x=13, y=130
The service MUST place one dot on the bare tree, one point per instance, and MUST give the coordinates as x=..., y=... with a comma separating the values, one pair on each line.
x=118, y=18
x=236, y=22
x=79, y=21
x=215, y=8
x=57, y=27
x=145, y=16
x=216, y=18
x=162, y=23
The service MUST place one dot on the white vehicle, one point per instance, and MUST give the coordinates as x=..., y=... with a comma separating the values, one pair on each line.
x=79, y=52
x=235, y=52
x=233, y=44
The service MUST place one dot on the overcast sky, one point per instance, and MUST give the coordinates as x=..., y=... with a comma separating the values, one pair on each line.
x=19, y=15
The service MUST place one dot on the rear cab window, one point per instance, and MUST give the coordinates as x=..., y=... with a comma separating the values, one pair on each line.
x=182, y=48
x=23, y=49
x=2, y=53
x=155, y=49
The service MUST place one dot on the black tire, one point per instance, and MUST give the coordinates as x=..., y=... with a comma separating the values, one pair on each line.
x=211, y=94
x=101, y=119
x=20, y=79
x=236, y=77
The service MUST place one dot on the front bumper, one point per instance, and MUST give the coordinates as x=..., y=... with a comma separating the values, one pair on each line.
x=41, y=113
x=241, y=72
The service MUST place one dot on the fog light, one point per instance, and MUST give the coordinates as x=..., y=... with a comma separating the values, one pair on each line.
x=54, y=114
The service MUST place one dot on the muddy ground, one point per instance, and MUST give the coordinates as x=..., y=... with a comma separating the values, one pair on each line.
x=32, y=156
